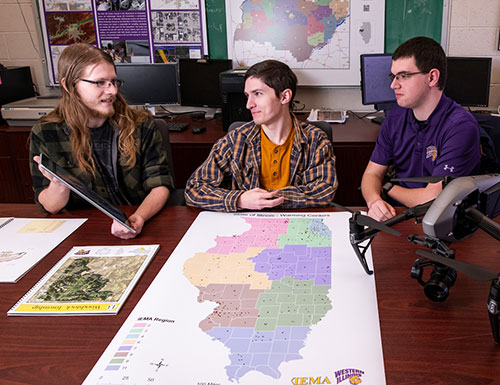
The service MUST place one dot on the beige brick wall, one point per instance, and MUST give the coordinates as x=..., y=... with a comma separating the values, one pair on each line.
x=473, y=31
x=20, y=40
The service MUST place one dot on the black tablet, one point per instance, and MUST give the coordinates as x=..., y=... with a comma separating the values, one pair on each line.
x=85, y=192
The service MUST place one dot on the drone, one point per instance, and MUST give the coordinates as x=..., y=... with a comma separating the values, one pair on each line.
x=465, y=205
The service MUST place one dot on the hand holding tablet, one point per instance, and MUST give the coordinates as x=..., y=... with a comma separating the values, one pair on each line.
x=75, y=185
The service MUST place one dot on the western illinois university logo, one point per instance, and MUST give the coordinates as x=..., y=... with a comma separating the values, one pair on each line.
x=352, y=376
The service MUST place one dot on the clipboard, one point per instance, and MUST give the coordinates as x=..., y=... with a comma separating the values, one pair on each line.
x=78, y=187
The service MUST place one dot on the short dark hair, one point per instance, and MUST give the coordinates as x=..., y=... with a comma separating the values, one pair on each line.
x=276, y=75
x=428, y=54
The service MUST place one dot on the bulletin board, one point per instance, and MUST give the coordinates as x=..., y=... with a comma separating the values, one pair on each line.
x=131, y=31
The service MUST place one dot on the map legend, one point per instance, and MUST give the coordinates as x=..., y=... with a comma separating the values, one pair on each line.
x=126, y=347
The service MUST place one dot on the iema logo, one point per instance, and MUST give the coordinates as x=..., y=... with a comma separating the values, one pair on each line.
x=310, y=380
x=353, y=375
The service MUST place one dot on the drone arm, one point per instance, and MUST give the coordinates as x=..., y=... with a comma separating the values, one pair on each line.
x=358, y=234
x=485, y=223
x=412, y=212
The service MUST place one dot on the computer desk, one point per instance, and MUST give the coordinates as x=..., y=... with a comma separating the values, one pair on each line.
x=353, y=143
x=423, y=342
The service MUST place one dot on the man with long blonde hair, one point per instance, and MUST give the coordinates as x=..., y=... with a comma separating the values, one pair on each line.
x=95, y=136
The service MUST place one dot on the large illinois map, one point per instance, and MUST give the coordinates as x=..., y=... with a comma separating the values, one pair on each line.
x=299, y=27
x=253, y=298
x=271, y=285
x=321, y=40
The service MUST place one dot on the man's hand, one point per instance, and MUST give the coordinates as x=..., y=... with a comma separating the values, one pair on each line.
x=135, y=221
x=380, y=210
x=258, y=199
x=55, y=196
x=54, y=181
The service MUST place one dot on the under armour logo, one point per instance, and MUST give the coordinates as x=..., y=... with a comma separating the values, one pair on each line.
x=448, y=168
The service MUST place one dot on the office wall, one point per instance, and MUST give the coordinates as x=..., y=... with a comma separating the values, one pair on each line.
x=20, y=40
x=473, y=30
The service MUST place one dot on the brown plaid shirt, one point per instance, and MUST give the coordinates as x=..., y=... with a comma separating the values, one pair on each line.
x=233, y=167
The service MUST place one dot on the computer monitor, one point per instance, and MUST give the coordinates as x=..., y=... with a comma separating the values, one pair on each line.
x=375, y=81
x=199, y=81
x=148, y=84
x=468, y=81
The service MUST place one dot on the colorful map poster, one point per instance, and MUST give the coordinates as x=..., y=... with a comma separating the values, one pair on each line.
x=321, y=40
x=255, y=298
x=131, y=31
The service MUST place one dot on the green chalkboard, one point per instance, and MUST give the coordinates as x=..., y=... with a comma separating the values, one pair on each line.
x=216, y=28
x=410, y=18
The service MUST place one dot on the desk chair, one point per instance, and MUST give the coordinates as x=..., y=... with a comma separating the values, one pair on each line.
x=176, y=196
x=489, y=127
x=235, y=125
x=325, y=126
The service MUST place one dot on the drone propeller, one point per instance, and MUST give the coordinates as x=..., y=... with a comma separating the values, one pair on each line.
x=365, y=220
x=476, y=272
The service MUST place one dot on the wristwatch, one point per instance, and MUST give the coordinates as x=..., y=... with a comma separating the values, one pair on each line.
x=387, y=187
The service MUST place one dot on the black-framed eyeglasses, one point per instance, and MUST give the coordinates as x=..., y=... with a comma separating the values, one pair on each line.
x=404, y=75
x=105, y=83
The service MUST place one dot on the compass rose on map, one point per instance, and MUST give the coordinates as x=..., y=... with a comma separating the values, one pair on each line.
x=158, y=365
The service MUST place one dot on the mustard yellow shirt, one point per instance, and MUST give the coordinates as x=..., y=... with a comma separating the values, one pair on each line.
x=275, y=166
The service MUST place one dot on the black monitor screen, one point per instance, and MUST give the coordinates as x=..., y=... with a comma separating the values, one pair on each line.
x=199, y=81
x=468, y=81
x=148, y=83
x=375, y=81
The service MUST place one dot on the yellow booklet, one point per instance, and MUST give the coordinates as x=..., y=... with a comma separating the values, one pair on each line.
x=87, y=280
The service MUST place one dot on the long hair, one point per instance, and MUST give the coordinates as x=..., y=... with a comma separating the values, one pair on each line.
x=72, y=64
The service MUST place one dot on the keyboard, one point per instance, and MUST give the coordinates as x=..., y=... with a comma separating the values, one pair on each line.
x=177, y=126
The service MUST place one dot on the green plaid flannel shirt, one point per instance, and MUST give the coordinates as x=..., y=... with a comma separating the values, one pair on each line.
x=233, y=167
x=150, y=171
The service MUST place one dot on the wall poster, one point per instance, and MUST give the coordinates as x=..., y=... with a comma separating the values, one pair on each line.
x=132, y=31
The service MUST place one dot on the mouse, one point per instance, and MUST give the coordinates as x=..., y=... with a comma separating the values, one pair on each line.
x=198, y=130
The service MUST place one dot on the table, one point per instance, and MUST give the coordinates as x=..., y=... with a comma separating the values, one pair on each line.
x=353, y=143
x=423, y=342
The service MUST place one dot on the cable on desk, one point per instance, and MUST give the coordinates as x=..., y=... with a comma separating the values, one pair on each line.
x=298, y=106
x=362, y=116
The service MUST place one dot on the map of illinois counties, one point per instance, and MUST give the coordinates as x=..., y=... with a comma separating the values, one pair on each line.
x=271, y=285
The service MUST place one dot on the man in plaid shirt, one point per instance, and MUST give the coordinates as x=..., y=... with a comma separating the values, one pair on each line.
x=273, y=161
x=96, y=137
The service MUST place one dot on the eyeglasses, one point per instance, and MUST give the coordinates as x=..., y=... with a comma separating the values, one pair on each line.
x=404, y=75
x=105, y=83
